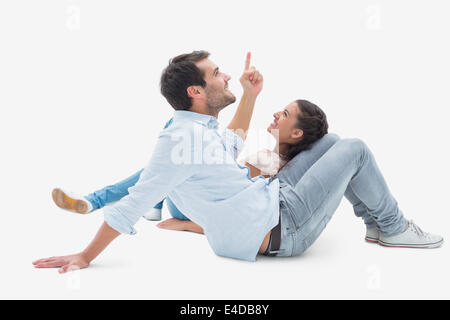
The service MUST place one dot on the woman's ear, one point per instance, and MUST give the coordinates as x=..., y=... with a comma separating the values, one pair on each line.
x=297, y=134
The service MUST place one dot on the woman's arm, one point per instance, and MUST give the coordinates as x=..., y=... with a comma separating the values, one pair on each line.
x=187, y=225
x=252, y=83
x=104, y=237
x=254, y=171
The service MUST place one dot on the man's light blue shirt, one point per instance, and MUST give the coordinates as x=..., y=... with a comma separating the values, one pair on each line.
x=196, y=168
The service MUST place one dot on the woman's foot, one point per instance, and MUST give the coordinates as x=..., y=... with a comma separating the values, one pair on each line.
x=71, y=202
x=412, y=237
x=372, y=235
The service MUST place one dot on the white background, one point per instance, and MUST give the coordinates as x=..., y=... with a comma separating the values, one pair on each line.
x=81, y=108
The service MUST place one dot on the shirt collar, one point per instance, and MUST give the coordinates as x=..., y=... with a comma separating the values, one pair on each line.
x=206, y=120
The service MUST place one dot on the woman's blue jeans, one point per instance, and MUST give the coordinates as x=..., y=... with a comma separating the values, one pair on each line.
x=314, y=183
x=312, y=187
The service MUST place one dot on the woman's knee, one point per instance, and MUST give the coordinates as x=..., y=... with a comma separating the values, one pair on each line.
x=333, y=137
x=327, y=141
x=355, y=145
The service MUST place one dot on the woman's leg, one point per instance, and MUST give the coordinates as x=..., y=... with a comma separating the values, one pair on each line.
x=293, y=171
x=314, y=199
x=360, y=209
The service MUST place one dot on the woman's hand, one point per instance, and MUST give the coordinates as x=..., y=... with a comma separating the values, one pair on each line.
x=251, y=80
x=180, y=225
x=65, y=264
x=173, y=224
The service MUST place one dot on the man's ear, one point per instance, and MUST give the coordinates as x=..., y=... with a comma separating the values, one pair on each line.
x=194, y=92
x=297, y=134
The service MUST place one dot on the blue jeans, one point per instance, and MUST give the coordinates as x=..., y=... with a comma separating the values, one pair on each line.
x=117, y=191
x=313, y=184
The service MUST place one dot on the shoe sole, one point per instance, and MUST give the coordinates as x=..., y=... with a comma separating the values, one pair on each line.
x=419, y=246
x=63, y=201
x=371, y=240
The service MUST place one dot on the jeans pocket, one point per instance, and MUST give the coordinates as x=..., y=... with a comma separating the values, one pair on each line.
x=311, y=192
x=299, y=214
x=315, y=233
x=298, y=247
x=304, y=199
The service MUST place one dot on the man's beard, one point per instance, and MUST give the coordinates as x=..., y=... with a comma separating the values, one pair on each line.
x=216, y=101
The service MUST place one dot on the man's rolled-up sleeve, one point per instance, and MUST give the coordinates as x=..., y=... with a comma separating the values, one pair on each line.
x=233, y=143
x=161, y=175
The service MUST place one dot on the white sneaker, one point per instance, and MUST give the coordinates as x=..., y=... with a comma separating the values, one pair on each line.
x=412, y=237
x=153, y=215
x=372, y=235
x=69, y=201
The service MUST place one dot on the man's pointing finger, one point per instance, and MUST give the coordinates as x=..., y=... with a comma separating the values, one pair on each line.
x=247, y=60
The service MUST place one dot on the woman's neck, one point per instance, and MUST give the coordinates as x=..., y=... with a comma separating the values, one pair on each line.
x=281, y=148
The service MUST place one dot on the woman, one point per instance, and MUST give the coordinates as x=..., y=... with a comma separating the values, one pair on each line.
x=238, y=213
x=297, y=128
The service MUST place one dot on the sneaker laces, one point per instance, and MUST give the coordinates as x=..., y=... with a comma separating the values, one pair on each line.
x=414, y=227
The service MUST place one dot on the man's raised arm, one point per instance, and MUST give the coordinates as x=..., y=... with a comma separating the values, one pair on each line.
x=252, y=83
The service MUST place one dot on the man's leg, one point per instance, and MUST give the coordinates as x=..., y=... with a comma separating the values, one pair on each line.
x=100, y=198
x=113, y=193
x=174, y=211
x=293, y=171
x=110, y=194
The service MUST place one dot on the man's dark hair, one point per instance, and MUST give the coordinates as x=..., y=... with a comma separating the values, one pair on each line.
x=180, y=74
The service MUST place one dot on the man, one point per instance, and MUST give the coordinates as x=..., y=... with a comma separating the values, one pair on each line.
x=204, y=93
x=196, y=168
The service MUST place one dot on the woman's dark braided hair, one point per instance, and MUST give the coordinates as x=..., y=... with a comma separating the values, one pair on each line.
x=313, y=121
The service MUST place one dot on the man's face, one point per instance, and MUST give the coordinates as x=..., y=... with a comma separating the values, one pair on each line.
x=217, y=94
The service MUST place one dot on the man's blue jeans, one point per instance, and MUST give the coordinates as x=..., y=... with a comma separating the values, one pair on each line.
x=117, y=191
x=313, y=184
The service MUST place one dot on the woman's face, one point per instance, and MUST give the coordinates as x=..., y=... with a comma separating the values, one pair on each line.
x=283, y=126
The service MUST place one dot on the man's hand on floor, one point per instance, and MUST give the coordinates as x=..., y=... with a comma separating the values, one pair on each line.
x=65, y=264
